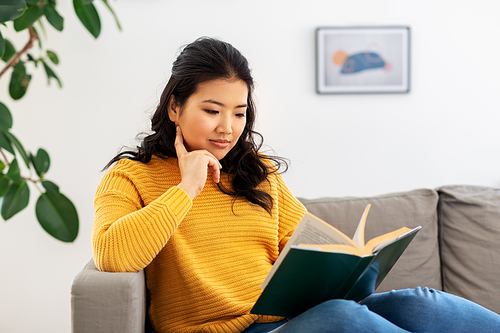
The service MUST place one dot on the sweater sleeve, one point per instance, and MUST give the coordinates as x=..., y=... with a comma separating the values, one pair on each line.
x=290, y=210
x=126, y=236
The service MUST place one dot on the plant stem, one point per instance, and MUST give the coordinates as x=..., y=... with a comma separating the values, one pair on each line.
x=5, y=158
x=29, y=179
x=15, y=59
x=39, y=189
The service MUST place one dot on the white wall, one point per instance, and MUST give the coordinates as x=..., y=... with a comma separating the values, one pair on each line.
x=445, y=131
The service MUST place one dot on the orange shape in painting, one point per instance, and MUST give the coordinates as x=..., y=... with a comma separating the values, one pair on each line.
x=339, y=57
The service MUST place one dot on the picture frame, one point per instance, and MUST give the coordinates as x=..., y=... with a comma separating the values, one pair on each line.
x=360, y=60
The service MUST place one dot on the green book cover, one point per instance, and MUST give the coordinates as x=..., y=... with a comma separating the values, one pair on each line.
x=308, y=277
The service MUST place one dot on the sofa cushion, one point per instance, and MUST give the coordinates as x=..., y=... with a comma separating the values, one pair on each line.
x=420, y=264
x=469, y=220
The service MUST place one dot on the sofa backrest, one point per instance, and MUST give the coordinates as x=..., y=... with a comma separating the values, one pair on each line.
x=420, y=264
x=469, y=222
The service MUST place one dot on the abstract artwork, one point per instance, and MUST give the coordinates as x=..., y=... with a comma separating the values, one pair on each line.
x=362, y=60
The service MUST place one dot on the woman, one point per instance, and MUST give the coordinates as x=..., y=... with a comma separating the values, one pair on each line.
x=206, y=215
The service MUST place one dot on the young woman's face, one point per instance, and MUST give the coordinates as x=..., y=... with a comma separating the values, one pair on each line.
x=214, y=117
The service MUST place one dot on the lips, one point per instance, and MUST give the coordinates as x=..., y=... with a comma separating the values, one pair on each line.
x=220, y=143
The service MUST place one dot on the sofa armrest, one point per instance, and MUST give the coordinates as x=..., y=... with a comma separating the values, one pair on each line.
x=108, y=302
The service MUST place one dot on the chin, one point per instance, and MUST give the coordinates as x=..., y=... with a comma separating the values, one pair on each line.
x=220, y=156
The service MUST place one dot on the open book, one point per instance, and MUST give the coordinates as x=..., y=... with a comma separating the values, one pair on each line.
x=320, y=263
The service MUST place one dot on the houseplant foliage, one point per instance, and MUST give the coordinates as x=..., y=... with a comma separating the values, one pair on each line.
x=55, y=212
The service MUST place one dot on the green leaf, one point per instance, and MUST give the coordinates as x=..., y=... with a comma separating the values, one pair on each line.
x=31, y=58
x=2, y=166
x=9, y=50
x=19, y=81
x=50, y=186
x=15, y=200
x=29, y=17
x=4, y=185
x=56, y=20
x=53, y=57
x=114, y=14
x=58, y=216
x=19, y=148
x=51, y=74
x=5, y=117
x=2, y=45
x=19, y=67
x=14, y=172
x=41, y=162
x=40, y=23
x=36, y=33
x=89, y=17
x=11, y=9
x=5, y=142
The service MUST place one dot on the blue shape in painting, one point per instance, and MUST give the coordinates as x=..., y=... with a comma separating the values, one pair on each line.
x=362, y=61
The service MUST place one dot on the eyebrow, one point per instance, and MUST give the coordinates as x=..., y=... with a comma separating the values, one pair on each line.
x=222, y=104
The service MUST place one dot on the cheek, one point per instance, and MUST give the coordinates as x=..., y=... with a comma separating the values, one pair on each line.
x=192, y=125
x=242, y=126
x=239, y=128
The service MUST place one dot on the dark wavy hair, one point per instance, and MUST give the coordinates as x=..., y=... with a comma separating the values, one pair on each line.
x=204, y=60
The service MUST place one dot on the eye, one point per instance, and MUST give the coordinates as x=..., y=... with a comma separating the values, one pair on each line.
x=211, y=111
x=240, y=115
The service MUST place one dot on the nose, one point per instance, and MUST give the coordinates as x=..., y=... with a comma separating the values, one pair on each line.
x=224, y=125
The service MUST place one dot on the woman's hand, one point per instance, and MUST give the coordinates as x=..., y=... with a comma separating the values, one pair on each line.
x=194, y=167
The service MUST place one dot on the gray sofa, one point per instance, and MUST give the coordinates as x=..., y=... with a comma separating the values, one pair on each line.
x=457, y=250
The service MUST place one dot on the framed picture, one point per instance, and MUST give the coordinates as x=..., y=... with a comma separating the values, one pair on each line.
x=362, y=60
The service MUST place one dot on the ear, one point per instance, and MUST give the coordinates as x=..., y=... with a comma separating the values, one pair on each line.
x=173, y=109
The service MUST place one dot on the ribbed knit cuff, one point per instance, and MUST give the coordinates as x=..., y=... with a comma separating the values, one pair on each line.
x=178, y=201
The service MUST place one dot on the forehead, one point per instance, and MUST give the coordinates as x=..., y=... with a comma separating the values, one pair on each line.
x=224, y=91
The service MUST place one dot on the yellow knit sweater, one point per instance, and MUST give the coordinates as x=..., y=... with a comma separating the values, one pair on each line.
x=204, y=259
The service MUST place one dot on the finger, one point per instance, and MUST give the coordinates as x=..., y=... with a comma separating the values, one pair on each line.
x=180, y=149
x=214, y=166
x=209, y=154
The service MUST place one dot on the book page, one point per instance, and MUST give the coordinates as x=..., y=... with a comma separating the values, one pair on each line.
x=312, y=230
x=378, y=243
x=359, y=235
x=374, y=245
x=337, y=248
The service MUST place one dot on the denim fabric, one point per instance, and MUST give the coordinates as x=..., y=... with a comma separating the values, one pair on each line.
x=398, y=311
x=408, y=310
x=254, y=328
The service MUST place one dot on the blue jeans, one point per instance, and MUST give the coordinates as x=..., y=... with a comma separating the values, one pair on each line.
x=398, y=311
